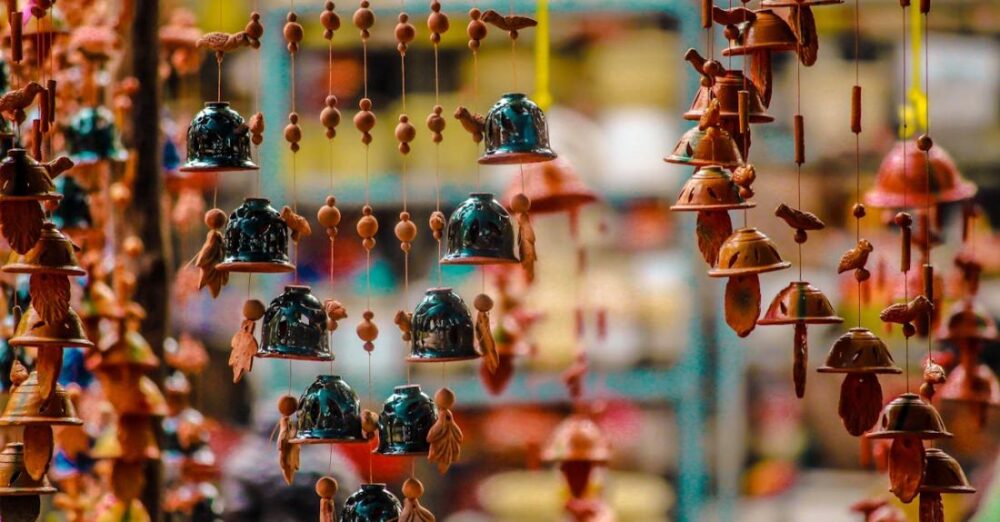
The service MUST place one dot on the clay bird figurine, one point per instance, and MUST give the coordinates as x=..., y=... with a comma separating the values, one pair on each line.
x=58, y=166
x=799, y=219
x=299, y=225
x=743, y=177
x=472, y=123
x=511, y=24
x=856, y=257
x=934, y=375
x=13, y=103
x=903, y=313
x=222, y=43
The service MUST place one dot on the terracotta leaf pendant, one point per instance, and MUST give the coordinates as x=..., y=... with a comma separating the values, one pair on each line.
x=712, y=229
x=48, y=364
x=906, y=467
x=860, y=402
x=21, y=224
x=50, y=296
x=37, y=450
x=127, y=480
x=496, y=380
x=800, y=356
x=743, y=303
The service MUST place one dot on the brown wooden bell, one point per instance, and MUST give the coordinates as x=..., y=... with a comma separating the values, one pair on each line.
x=726, y=88
x=54, y=254
x=766, y=32
x=14, y=478
x=892, y=182
x=710, y=188
x=943, y=474
x=552, y=186
x=27, y=407
x=703, y=148
x=910, y=416
x=800, y=302
x=33, y=331
x=747, y=251
x=859, y=351
x=966, y=320
x=971, y=383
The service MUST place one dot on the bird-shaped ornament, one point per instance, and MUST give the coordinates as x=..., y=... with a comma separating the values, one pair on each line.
x=223, y=43
x=800, y=220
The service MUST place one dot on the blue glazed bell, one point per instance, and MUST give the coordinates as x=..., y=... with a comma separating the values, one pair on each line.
x=329, y=413
x=73, y=213
x=91, y=137
x=295, y=327
x=407, y=417
x=442, y=329
x=515, y=132
x=218, y=140
x=480, y=232
x=256, y=239
x=371, y=503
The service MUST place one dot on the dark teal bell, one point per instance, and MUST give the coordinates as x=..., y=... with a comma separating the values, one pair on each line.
x=92, y=136
x=329, y=413
x=442, y=329
x=295, y=327
x=480, y=232
x=73, y=212
x=515, y=132
x=218, y=140
x=256, y=239
x=407, y=417
x=371, y=503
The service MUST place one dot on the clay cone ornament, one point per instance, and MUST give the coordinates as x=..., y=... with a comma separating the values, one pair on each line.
x=52, y=254
x=861, y=356
x=441, y=329
x=553, y=187
x=294, y=327
x=256, y=239
x=578, y=447
x=742, y=257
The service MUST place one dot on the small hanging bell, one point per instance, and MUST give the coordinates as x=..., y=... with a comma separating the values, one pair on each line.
x=942, y=475
x=294, y=327
x=765, y=31
x=861, y=355
x=218, y=140
x=909, y=415
x=14, y=478
x=515, y=132
x=800, y=302
x=578, y=446
x=53, y=254
x=967, y=320
x=67, y=333
x=371, y=503
x=329, y=412
x=552, y=186
x=407, y=417
x=91, y=137
x=480, y=232
x=27, y=407
x=708, y=189
x=26, y=185
x=256, y=239
x=747, y=251
x=894, y=184
x=441, y=329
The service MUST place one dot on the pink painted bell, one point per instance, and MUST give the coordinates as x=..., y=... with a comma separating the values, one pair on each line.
x=891, y=181
x=552, y=186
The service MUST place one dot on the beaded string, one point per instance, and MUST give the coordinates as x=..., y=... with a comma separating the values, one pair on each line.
x=406, y=230
x=861, y=274
x=329, y=215
x=925, y=143
x=437, y=22
x=902, y=219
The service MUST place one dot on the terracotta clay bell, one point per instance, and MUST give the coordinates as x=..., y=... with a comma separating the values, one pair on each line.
x=371, y=503
x=552, y=187
x=516, y=132
x=329, y=413
x=800, y=302
x=710, y=188
x=892, y=182
x=14, y=478
x=766, y=31
x=294, y=327
x=480, y=232
x=256, y=239
x=441, y=329
x=909, y=415
x=406, y=419
x=27, y=407
x=67, y=333
x=703, y=148
x=967, y=320
x=726, y=88
x=747, y=251
x=218, y=140
x=859, y=351
x=943, y=474
x=53, y=254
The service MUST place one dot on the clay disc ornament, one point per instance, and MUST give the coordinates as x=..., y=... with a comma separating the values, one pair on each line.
x=906, y=467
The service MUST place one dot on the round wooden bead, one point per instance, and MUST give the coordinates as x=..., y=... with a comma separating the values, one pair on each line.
x=330, y=21
x=862, y=275
x=444, y=398
x=328, y=216
x=858, y=211
x=367, y=330
x=405, y=131
x=133, y=246
x=483, y=303
x=326, y=487
x=367, y=225
x=254, y=28
x=712, y=68
x=924, y=143
x=800, y=236
x=253, y=309
x=412, y=488
x=436, y=222
x=287, y=405
x=405, y=32
x=293, y=133
x=520, y=203
x=364, y=18
x=406, y=230
x=215, y=218
x=368, y=243
x=903, y=219
x=909, y=330
x=437, y=22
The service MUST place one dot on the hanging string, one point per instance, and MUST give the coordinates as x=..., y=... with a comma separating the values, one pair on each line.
x=799, y=160
x=406, y=231
x=925, y=145
x=904, y=135
x=856, y=129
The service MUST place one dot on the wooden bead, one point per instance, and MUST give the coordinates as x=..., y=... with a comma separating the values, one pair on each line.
x=856, y=109
x=483, y=303
x=326, y=487
x=368, y=243
x=215, y=218
x=909, y=330
x=133, y=246
x=329, y=20
x=731, y=32
x=800, y=143
x=903, y=219
x=444, y=398
x=801, y=236
x=364, y=18
x=253, y=309
x=406, y=230
x=520, y=203
x=925, y=143
x=330, y=116
x=367, y=330
x=412, y=488
x=405, y=131
x=858, y=211
x=328, y=216
x=287, y=405
x=436, y=222
x=436, y=123
x=254, y=29
x=405, y=32
x=367, y=226
x=862, y=275
x=712, y=68
x=437, y=22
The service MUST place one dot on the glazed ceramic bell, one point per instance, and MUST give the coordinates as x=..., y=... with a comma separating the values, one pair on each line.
x=515, y=132
x=73, y=213
x=766, y=32
x=943, y=474
x=14, y=478
x=256, y=239
x=407, y=417
x=33, y=331
x=371, y=503
x=892, y=182
x=218, y=140
x=710, y=188
x=295, y=327
x=23, y=178
x=800, y=302
x=553, y=186
x=747, y=251
x=909, y=415
x=329, y=413
x=26, y=406
x=967, y=321
x=91, y=136
x=726, y=89
x=441, y=329
x=54, y=254
x=480, y=232
x=703, y=148
x=859, y=351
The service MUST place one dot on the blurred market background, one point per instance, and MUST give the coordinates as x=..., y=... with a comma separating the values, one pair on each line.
x=704, y=425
